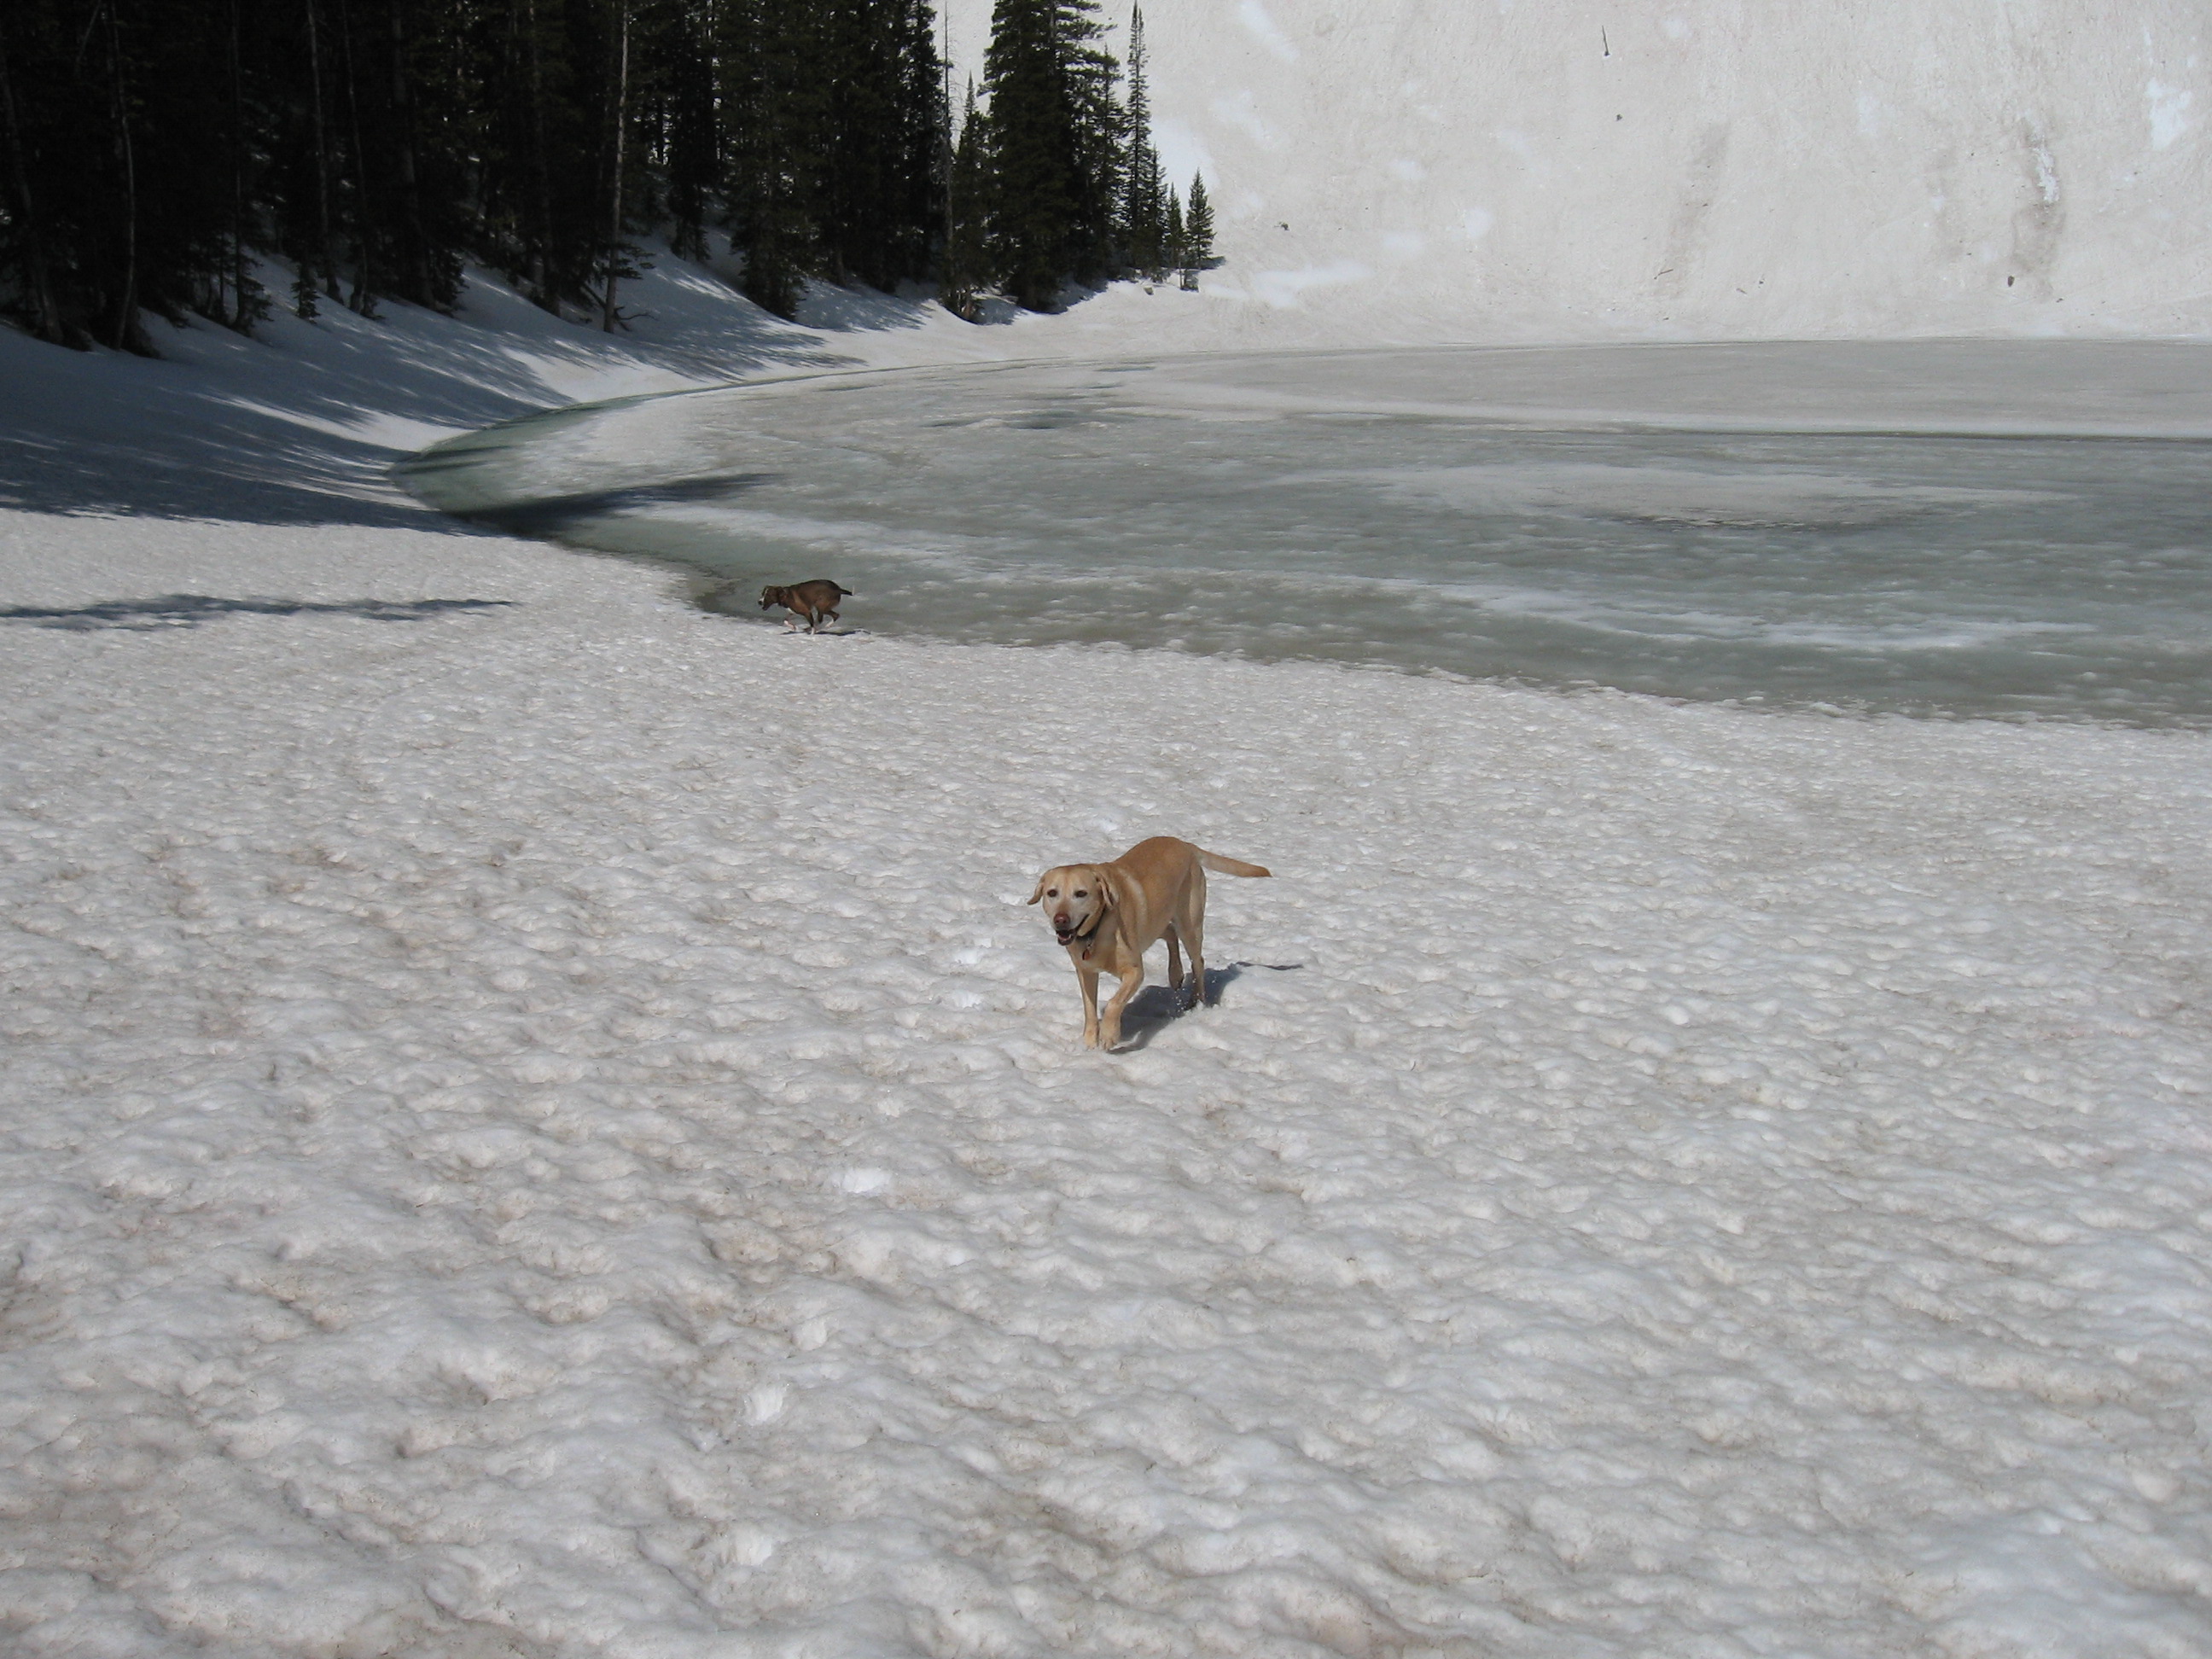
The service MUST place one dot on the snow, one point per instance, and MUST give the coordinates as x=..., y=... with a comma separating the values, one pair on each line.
x=535, y=1121
x=305, y=419
x=548, y=1127
x=1437, y=170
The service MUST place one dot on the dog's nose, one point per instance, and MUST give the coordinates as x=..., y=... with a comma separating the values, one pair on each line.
x=1060, y=920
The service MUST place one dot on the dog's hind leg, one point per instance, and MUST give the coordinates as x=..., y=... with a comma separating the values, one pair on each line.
x=1174, y=958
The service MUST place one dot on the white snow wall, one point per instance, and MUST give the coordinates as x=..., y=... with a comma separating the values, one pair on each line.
x=1716, y=168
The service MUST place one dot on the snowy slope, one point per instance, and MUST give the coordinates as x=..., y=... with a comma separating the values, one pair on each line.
x=301, y=421
x=1710, y=168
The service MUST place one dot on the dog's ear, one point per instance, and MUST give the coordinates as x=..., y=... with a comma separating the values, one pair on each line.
x=1039, y=893
x=1104, y=881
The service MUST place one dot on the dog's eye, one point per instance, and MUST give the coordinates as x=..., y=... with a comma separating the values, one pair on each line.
x=1079, y=893
x=1052, y=892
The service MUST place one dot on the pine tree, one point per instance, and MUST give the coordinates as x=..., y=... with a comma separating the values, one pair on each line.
x=1176, y=235
x=1096, y=129
x=1032, y=165
x=1144, y=208
x=914, y=212
x=765, y=95
x=303, y=181
x=1055, y=142
x=528, y=136
x=1197, y=229
x=877, y=210
x=967, y=270
x=686, y=124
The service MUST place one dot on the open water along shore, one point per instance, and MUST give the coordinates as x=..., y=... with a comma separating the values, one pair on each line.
x=1798, y=526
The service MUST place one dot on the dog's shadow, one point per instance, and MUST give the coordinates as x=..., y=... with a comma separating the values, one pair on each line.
x=1155, y=1008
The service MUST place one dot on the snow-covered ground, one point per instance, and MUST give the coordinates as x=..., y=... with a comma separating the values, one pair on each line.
x=538, y=1122
x=303, y=421
x=535, y=1122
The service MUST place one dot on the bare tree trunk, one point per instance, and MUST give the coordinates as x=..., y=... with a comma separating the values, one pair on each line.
x=239, y=317
x=415, y=260
x=541, y=181
x=320, y=255
x=363, y=298
x=615, y=189
x=125, y=335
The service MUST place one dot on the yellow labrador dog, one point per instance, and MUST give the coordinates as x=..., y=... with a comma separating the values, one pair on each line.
x=1108, y=915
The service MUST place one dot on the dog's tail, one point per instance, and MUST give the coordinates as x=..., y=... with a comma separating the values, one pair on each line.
x=842, y=592
x=1222, y=866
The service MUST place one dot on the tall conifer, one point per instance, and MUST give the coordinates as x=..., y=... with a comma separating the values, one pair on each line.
x=1095, y=128
x=967, y=267
x=1197, y=228
x=1055, y=147
x=1143, y=216
x=1032, y=166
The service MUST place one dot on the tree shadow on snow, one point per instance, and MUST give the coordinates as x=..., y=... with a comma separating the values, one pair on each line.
x=190, y=609
x=300, y=424
x=1155, y=1007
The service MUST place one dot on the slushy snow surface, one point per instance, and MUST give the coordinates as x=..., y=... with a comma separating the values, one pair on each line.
x=537, y=1122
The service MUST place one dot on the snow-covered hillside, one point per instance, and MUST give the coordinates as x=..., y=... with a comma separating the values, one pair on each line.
x=1710, y=168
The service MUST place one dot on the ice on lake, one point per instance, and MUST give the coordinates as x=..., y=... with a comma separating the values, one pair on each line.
x=1702, y=523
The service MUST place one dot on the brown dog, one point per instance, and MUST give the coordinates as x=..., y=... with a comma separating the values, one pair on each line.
x=1107, y=914
x=815, y=600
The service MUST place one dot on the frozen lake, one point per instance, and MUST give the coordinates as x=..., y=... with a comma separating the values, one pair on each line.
x=1757, y=523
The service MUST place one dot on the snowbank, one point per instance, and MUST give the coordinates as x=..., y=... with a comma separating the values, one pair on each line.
x=1432, y=169
x=302, y=421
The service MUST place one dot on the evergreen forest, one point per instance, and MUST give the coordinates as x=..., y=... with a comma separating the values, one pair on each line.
x=162, y=157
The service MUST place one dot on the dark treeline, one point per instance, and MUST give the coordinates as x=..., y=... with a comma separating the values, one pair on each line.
x=157, y=149
x=1055, y=177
